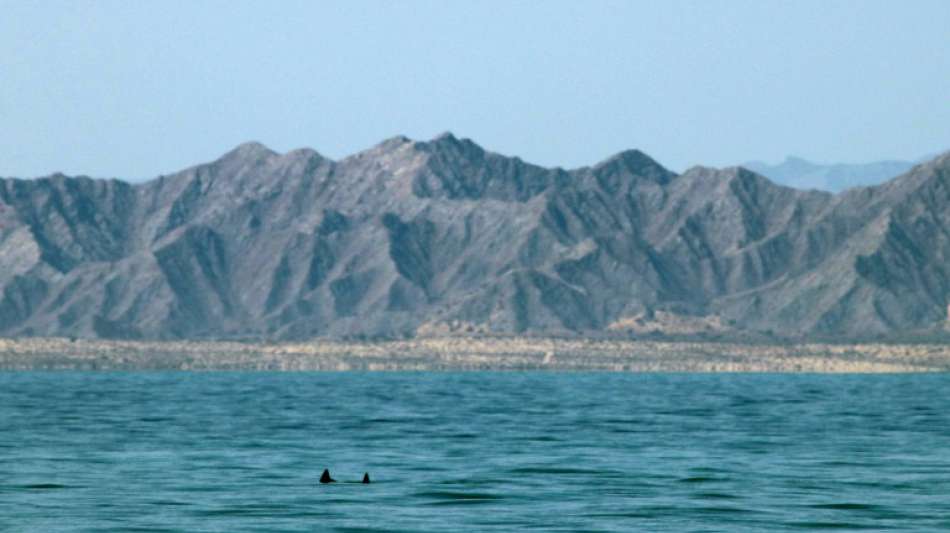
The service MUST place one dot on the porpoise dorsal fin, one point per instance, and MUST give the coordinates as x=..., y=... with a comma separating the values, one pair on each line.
x=366, y=477
x=325, y=477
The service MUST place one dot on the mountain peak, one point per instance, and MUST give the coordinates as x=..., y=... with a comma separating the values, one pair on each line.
x=394, y=142
x=941, y=159
x=248, y=150
x=448, y=143
x=631, y=156
x=794, y=163
x=303, y=153
x=445, y=136
x=637, y=163
x=835, y=177
x=448, y=139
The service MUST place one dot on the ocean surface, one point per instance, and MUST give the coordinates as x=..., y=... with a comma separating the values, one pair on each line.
x=473, y=452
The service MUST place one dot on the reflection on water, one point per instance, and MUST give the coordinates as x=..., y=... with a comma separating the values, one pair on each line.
x=473, y=452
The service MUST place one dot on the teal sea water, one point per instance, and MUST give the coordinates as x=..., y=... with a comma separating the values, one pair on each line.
x=473, y=452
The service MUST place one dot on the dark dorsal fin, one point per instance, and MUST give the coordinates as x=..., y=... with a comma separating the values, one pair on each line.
x=325, y=478
x=366, y=477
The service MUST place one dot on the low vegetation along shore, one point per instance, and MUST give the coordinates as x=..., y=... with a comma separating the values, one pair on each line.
x=472, y=354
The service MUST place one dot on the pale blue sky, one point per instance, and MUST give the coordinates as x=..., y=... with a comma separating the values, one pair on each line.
x=135, y=89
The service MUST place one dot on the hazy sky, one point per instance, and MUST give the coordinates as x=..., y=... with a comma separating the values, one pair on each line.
x=135, y=89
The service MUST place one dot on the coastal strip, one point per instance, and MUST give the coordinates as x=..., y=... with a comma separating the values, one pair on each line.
x=464, y=354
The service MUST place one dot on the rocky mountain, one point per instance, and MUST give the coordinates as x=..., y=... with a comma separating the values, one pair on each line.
x=802, y=174
x=414, y=238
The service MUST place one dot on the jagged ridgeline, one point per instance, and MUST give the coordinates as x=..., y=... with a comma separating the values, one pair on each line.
x=415, y=238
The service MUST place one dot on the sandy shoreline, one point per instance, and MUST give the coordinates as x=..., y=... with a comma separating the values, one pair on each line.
x=471, y=354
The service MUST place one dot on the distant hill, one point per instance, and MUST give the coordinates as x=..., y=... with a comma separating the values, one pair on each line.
x=418, y=237
x=802, y=174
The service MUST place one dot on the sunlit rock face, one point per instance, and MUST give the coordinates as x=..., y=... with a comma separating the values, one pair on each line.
x=410, y=237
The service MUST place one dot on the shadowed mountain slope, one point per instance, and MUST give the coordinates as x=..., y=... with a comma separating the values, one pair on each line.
x=414, y=237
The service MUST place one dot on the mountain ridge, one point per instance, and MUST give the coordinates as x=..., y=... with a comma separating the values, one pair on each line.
x=834, y=177
x=442, y=235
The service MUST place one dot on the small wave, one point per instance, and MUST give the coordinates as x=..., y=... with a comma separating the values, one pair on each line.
x=246, y=511
x=360, y=530
x=43, y=486
x=715, y=496
x=462, y=436
x=169, y=503
x=846, y=506
x=451, y=497
x=540, y=438
x=647, y=511
x=554, y=470
x=831, y=525
x=722, y=510
x=702, y=479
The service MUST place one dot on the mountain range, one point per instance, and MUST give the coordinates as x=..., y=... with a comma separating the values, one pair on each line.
x=442, y=236
x=803, y=174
